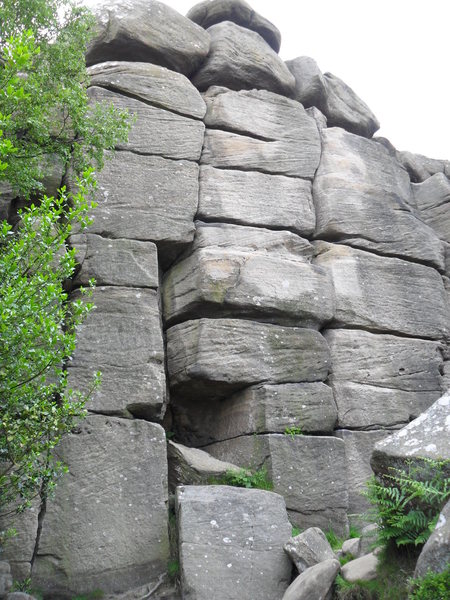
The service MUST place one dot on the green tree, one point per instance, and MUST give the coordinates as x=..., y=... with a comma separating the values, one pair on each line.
x=44, y=114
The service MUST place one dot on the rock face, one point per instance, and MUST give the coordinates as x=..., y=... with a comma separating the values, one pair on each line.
x=432, y=199
x=435, y=553
x=227, y=533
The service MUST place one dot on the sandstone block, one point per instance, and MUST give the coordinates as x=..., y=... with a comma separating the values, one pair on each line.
x=147, y=30
x=231, y=543
x=310, y=84
x=361, y=196
x=315, y=582
x=385, y=294
x=309, y=548
x=435, y=553
x=214, y=357
x=432, y=198
x=361, y=569
x=106, y=528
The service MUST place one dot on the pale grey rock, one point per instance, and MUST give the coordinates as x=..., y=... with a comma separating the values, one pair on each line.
x=283, y=288
x=6, y=580
x=119, y=262
x=155, y=130
x=152, y=84
x=421, y=167
x=385, y=294
x=147, y=198
x=106, y=527
x=361, y=197
x=240, y=59
x=263, y=408
x=359, y=446
x=209, y=13
x=435, y=553
x=20, y=596
x=315, y=583
x=193, y=466
x=146, y=30
x=122, y=338
x=382, y=380
x=19, y=549
x=309, y=548
x=263, y=132
x=318, y=116
x=293, y=463
x=310, y=84
x=363, y=568
x=231, y=543
x=446, y=376
x=432, y=198
x=427, y=437
x=259, y=199
x=351, y=546
x=345, y=109
x=215, y=357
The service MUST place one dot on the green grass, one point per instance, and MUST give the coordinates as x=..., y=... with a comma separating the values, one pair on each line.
x=433, y=586
x=334, y=540
x=246, y=479
x=173, y=569
x=293, y=431
x=295, y=531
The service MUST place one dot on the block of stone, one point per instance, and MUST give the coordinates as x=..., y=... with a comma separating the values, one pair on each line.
x=315, y=582
x=119, y=262
x=19, y=549
x=106, y=527
x=427, y=437
x=309, y=548
x=216, y=11
x=310, y=84
x=155, y=85
x=231, y=543
x=345, y=109
x=267, y=286
x=359, y=446
x=361, y=196
x=259, y=199
x=263, y=408
x=240, y=59
x=122, y=338
x=421, y=167
x=435, y=553
x=385, y=294
x=146, y=30
x=192, y=466
x=361, y=569
x=318, y=116
x=293, y=463
x=432, y=198
x=6, y=580
x=215, y=357
x=351, y=546
x=147, y=198
x=155, y=130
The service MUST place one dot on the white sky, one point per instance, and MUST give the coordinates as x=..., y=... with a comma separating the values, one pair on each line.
x=395, y=54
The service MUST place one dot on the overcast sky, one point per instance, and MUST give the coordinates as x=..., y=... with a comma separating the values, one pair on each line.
x=395, y=54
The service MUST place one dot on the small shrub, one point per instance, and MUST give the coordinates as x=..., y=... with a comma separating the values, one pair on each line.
x=433, y=586
x=246, y=479
x=295, y=531
x=293, y=431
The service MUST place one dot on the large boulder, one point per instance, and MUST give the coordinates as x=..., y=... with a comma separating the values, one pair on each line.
x=309, y=548
x=231, y=543
x=385, y=294
x=361, y=195
x=209, y=13
x=435, y=554
x=240, y=59
x=363, y=568
x=146, y=30
x=422, y=167
x=432, y=199
x=106, y=527
x=315, y=583
x=215, y=357
x=310, y=84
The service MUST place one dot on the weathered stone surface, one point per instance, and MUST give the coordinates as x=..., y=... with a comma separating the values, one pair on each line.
x=314, y=583
x=345, y=109
x=293, y=464
x=123, y=339
x=193, y=467
x=231, y=543
x=382, y=380
x=361, y=197
x=155, y=130
x=361, y=569
x=432, y=198
x=283, y=288
x=266, y=132
x=240, y=59
x=19, y=549
x=115, y=261
x=155, y=85
x=385, y=294
x=147, y=198
x=318, y=116
x=252, y=198
x=6, y=580
x=238, y=11
x=309, y=548
x=214, y=357
x=435, y=553
x=351, y=546
x=358, y=450
x=425, y=437
x=107, y=525
x=421, y=167
x=262, y=408
x=149, y=31
x=310, y=84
